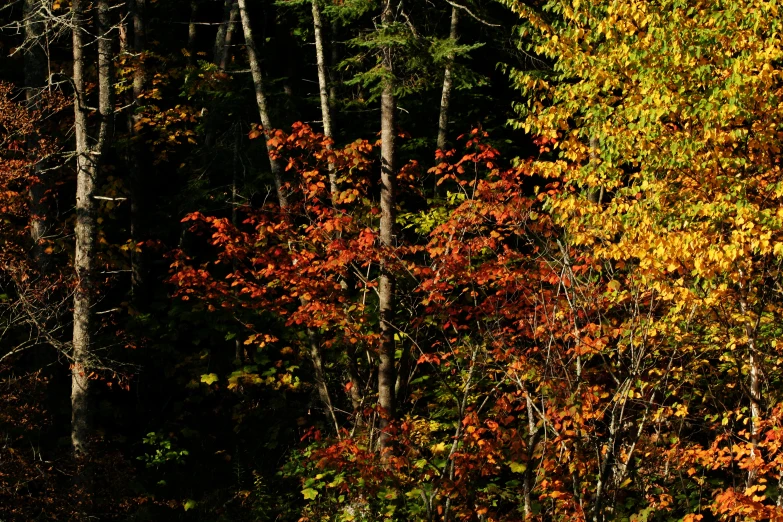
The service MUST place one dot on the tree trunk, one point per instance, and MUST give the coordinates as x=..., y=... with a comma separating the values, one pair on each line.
x=192, y=33
x=333, y=72
x=138, y=184
x=386, y=368
x=320, y=378
x=323, y=84
x=221, y=52
x=755, y=408
x=594, y=194
x=225, y=57
x=356, y=393
x=403, y=374
x=258, y=84
x=755, y=391
x=226, y=34
x=35, y=78
x=323, y=87
x=527, y=484
x=326, y=117
x=84, y=231
x=443, y=120
x=87, y=159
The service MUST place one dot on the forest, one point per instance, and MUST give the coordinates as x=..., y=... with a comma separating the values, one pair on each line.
x=391, y=260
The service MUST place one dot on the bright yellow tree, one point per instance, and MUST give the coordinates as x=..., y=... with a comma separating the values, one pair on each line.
x=668, y=122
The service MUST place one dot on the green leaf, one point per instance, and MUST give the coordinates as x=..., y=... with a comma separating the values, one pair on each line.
x=189, y=504
x=309, y=493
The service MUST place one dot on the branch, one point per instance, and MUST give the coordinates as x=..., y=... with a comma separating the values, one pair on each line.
x=464, y=8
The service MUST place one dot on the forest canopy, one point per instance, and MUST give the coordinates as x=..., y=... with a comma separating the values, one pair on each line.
x=365, y=260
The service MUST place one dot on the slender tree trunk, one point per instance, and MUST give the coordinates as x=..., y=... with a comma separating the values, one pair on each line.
x=386, y=368
x=527, y=485
x=35, y=79
x=87, y=170
x=221, y=52
x=139, y=43
x=220, y=37
x=323, y=87
x=755, y=407
x=138, y=185
x=226, y=34
x=323, y=84
x=258, y=84
x=445, y=98
x=755, y=392
x=320, y=378
x=326, y=117
x=595, y=195
x=239, y=351
x=192, y=32
x=286, y=45
x=225, y=57
x=334, y=77
x=355, y=393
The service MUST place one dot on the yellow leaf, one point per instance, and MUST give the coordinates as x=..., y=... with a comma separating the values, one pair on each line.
x=438, y=448
x=517, y=467
x=209, y=378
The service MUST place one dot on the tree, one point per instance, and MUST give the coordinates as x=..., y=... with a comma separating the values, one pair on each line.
x=138, y=180
x=443, y=118
x=225, y=34
x=36, y=78
x=683, y=147
x=88, y=157
x=261, y=98
x=323, y=85
x=386, y=368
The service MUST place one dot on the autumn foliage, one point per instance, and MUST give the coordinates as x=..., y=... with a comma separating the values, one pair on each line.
x=584, y=302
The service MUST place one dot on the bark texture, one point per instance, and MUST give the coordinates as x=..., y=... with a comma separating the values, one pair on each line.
x=138, y=182
x=226, y=34
x=192, y=33
x=323, y=86
x=87, y=170
x=386, y=367
x=316, y=358
x=35, y=79
x=258, y=85
x=334, y=76
x=445, y=98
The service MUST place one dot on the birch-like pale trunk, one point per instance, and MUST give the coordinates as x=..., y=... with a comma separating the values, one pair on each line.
x=263, y=110
x=386, y=367
x=445, y=98
x=755, y=390
x=316, y=355
x=87, y=171
x=323, y=86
